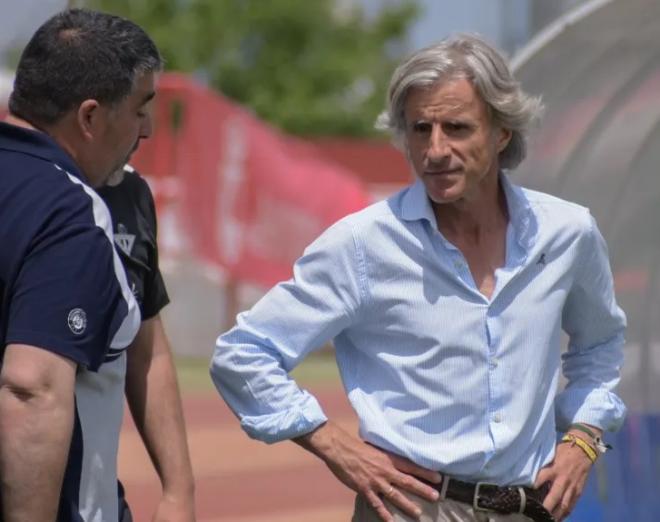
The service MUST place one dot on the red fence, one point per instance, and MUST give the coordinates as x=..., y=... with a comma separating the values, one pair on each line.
x=234, y=191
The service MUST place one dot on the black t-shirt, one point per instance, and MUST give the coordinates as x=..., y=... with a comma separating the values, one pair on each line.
x=133, y=214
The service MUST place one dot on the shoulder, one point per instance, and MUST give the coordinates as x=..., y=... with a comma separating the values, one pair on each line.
x=132, y=185
x=375, y=215
x=559, y=213
x=54, y=195
x=359, y=223
x=135, y=179
x=135, y=184
x=131, y=194
x=374, y=229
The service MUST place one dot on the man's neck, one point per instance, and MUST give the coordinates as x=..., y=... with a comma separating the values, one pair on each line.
x=472, y=219
x=57, y=132
x=19, y=122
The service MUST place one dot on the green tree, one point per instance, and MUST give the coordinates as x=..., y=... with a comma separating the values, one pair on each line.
x=310, y=67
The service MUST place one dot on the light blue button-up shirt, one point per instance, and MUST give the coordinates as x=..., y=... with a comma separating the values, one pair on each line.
x=436, y=371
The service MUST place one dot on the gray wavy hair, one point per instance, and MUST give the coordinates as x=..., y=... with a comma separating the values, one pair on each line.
x=465, y=56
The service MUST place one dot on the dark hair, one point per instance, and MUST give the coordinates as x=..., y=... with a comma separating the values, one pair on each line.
x=76, y=55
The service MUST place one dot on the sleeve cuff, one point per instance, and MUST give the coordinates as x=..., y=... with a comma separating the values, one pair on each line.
x=287, y=424
x=599, y=408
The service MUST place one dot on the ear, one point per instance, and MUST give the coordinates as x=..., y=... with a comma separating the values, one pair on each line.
x=87, y=118
x=503, y=139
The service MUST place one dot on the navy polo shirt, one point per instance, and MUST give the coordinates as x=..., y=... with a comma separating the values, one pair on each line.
x=63, y=289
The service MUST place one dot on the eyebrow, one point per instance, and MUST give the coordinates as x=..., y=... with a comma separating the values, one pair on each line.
x=148, y=97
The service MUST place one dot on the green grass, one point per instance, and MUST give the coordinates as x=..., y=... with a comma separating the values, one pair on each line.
x=318, y=370
x=193, y=374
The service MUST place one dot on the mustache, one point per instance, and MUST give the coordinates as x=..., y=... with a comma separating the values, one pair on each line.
x=441, y=167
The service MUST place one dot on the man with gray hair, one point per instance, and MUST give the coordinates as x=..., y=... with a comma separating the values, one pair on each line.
x=79, y=108
x=446, y=304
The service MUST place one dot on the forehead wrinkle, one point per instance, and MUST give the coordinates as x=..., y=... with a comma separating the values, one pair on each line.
x=448, y=106
x=450, y=99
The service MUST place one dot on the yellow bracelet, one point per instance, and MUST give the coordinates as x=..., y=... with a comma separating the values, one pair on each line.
x=582, y=444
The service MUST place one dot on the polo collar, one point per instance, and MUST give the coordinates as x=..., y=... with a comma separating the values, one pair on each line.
x=39, y=144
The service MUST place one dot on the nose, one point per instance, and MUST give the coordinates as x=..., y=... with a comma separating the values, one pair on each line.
x=146, y=129
x=438, y=149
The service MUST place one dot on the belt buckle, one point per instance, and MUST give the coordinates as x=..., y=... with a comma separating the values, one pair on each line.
x=475, y=500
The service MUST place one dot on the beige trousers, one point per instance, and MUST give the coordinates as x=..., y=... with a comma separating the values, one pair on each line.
x=441, y=511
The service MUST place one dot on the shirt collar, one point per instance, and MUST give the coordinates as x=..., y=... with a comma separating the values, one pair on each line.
x=521, y=216
x=415, y=206
x=38, y=144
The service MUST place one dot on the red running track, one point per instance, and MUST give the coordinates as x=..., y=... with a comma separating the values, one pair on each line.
x=238, y=479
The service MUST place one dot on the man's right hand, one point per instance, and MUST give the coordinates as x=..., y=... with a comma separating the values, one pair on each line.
x=371, y=472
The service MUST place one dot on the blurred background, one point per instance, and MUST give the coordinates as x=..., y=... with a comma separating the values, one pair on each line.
x=264, y=137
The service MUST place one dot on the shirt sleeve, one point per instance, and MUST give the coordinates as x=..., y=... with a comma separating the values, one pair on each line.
x=595, y=326
x=251, y=362
x=155, y=292
x=66, y=297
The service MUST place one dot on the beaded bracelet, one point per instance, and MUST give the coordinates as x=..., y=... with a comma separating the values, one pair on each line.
x=582, y=444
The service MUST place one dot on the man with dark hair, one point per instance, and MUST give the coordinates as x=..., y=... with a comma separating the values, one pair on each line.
x=79, y=108
x=151, y=385
x=79, y=55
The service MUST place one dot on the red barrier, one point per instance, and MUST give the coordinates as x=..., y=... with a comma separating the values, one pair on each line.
x=234, y=191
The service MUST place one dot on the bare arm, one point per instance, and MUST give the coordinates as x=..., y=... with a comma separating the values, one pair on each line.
x=567, y=474
x=36, y=423
x=369, y=471
x=153, y=397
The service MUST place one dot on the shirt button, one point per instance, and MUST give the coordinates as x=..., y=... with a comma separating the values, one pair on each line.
x=493, y=364
x=497, y=418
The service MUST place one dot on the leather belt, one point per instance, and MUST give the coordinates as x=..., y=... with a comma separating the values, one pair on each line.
x=483, y=496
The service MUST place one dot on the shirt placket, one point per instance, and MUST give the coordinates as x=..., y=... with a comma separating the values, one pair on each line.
x=496, y=413
x=497, y=377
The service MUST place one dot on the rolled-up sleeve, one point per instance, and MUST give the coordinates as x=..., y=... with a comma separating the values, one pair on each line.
x=596, y=327
x=251, y=363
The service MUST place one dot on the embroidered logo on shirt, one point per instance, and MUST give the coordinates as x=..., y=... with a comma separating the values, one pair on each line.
x=124, y=240
x=77, y=321
x=541, y=260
